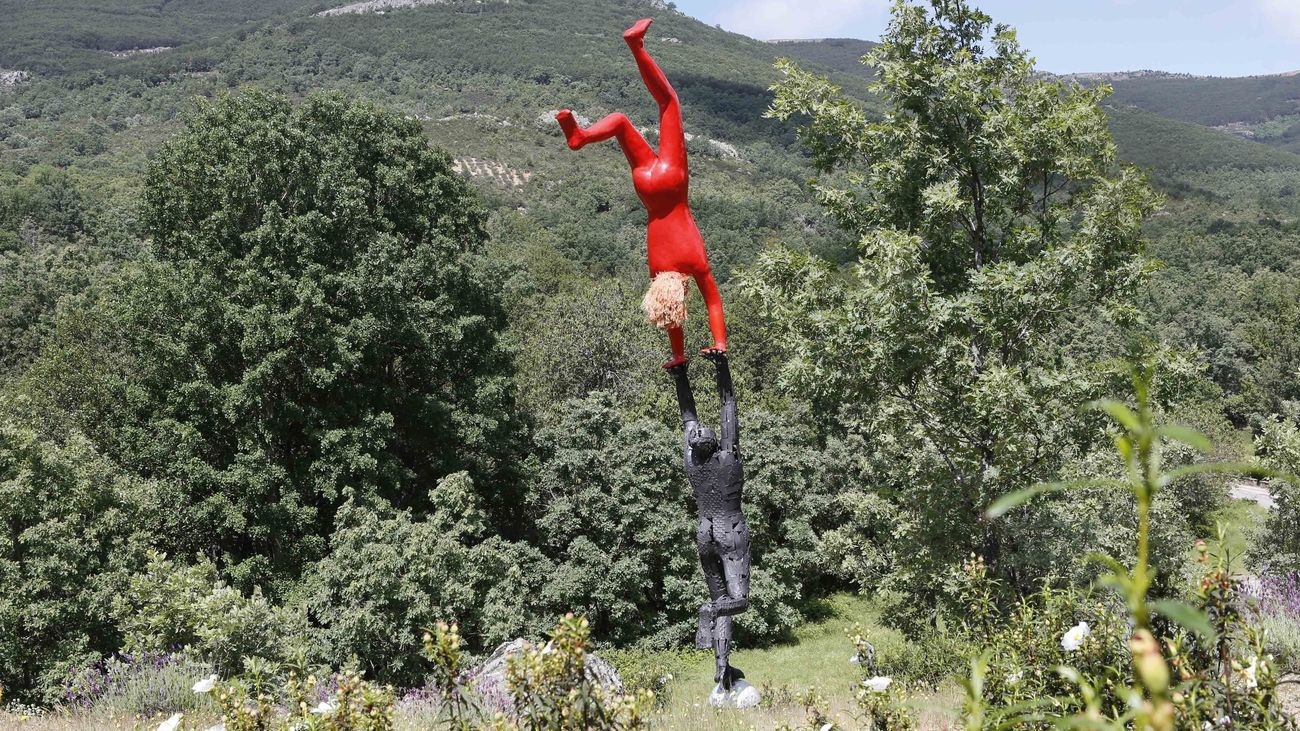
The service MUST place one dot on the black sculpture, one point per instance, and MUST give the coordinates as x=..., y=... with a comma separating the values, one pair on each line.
x=717, y=477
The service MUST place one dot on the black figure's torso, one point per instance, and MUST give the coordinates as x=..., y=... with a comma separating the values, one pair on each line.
x=717, y=482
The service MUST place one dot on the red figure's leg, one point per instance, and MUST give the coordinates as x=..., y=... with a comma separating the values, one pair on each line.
x=678, y=342
x=717, y=323
x=635, y=148
x=672, y=138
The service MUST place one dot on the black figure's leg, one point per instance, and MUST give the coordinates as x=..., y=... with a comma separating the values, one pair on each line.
x=716, y=579
x=732, y=535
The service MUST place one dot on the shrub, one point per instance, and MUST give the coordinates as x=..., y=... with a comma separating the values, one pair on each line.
x=390, y=574
x=551, y=689
x=66, y=545
x=171, y=606
x=145, y=685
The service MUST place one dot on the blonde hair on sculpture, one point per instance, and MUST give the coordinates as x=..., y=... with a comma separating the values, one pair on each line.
x=665, y=303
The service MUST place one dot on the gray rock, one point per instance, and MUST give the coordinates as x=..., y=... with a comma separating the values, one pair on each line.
x=741, y=695
x=489, y=679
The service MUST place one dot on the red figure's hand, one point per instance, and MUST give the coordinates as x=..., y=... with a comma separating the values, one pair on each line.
x=636, y=33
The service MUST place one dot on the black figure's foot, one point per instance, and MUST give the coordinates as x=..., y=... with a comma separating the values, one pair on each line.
x=677, y=361
x=704, y=632
x=636, y=34
x=717, y=353
x=573, y=134
x=726, y=676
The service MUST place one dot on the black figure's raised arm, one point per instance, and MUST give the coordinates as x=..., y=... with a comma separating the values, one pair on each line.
x=685, y=398
x=727, y=393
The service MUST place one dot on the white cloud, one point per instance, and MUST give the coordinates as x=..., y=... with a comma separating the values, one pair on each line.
x=1284, y=15
x=768, y=19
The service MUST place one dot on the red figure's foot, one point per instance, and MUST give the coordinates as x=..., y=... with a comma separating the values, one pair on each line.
x=718, y=349
x=636, y=34
x=572, y=132
x=675, y=361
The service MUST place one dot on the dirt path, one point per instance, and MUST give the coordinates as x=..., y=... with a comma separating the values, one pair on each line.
x=1254, y=492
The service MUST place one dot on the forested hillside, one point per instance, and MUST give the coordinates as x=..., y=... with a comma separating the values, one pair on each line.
x=313, y=331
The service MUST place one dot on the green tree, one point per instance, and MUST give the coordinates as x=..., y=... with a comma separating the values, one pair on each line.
x=317, y=318
x=991, y=217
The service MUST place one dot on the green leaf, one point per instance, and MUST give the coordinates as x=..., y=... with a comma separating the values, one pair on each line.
x=1189, y=617
x=1007, y=502
x=1190, y=437
x=1119, y=412
x=1109, y=563
x=1218, y=468
x=1013, y=500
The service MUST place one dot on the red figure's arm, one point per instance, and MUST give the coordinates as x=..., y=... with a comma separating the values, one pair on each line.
x=672, y=138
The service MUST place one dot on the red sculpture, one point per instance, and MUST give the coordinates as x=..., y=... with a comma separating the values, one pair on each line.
x=676, y=249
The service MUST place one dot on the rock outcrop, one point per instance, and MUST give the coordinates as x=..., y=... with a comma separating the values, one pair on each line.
x=489, y=679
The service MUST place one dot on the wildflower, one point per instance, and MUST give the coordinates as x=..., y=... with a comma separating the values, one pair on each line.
x=878, y=684
x=1074, y=637
x=171, y=723
x=1013, y=678
x=1248, y=673
x=205, y=685
x=325, y=707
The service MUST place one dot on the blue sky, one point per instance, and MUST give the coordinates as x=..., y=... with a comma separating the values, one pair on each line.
x=1223, y=38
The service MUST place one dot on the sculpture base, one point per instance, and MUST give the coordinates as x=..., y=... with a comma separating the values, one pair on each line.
x=741, y=695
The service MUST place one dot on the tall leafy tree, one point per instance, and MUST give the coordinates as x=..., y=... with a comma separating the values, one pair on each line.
x=317, y=321
x=992, y=218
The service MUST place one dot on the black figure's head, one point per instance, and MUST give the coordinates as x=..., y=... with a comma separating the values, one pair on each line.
x=703, y=442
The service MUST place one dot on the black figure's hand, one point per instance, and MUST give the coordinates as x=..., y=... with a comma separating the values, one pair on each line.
x=715, y=355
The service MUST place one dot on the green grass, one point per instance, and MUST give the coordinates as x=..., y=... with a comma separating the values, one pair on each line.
x=817, y=659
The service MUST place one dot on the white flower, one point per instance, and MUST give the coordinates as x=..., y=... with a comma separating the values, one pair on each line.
x=325, y=707
x=206, y=684
x=171, y=723
x=1013, y=678
x=219, y=727
x=1074, y=637
x=1248, y=673
x=878, y=684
